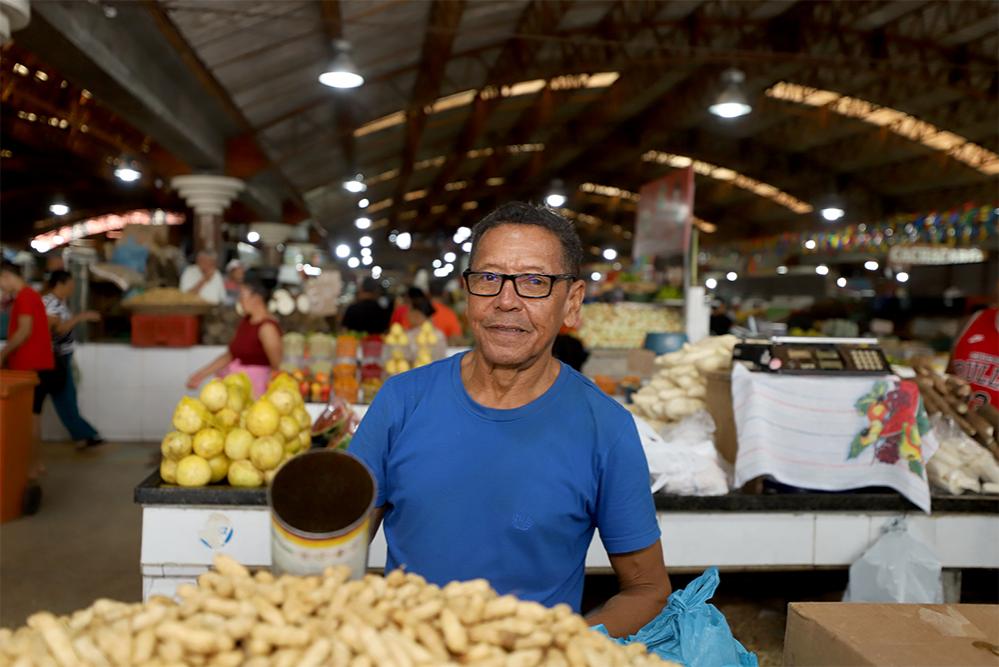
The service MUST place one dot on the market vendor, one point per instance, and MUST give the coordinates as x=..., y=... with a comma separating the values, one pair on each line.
x=256, y=347
x=976, y=355
x=203, y=278
x=501, y=462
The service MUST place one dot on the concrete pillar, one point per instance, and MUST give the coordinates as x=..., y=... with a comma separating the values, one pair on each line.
x=209, y=196
x=14, y=15
x=271, y=235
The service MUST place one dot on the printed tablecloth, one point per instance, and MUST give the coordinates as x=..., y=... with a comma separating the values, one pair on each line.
x=832, y=433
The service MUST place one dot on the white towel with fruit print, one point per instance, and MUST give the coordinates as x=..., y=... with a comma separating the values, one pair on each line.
x=833, y=433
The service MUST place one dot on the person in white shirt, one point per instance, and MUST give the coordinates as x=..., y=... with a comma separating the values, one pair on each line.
x=204, y=279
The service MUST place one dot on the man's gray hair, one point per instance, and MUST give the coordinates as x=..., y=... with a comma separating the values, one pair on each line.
x=209, y=253
x=521, y=213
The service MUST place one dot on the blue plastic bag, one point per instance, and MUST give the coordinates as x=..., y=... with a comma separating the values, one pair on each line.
x=691, y=631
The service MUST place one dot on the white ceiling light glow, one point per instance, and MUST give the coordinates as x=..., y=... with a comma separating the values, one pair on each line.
x=363, y=223
x=366, y=260
x=58, y=208
x=782, y=270
x=810, y=244
x=127, y=173
x=832, y=213
x=353, y=262
x=732, y=102
x=871, y=265
x=253, y=237
x=841, y=282
x=437, y=264
x=450, y=257
x=711, y=283
x=341, y=72
x=467, y=246
x=343, y=251
x=404, y=241
x=822, y=270
x=902, y=277
x=596, y=276
x=731, y=276
x=376, y=272
x=363, y=203
x=365, y=252
x=610, y=254
x=365, y=241
x=355, y=184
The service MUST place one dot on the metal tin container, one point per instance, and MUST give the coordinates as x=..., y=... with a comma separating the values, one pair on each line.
x=321, y=504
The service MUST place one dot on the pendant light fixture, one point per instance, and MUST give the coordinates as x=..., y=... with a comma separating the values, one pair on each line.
x=732, y=102
x=127, y=171
x=341, y=72
x=556, y=195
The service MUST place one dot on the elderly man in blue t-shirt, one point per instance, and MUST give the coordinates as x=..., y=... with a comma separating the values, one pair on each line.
x=501, y=462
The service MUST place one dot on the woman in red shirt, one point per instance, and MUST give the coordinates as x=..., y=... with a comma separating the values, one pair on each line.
x=256, y=348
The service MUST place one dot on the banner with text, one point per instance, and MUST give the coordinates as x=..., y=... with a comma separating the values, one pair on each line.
x=665, y=212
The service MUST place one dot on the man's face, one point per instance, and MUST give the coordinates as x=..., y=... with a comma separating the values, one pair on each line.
x=510, y=330
x=206, y=264
x=8, y=282
x=64, y=289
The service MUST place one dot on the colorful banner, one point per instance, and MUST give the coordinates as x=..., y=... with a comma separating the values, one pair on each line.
x=665, y=213
x=967, y=227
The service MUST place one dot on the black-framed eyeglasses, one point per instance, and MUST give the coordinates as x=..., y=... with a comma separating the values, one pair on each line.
x=527, y=285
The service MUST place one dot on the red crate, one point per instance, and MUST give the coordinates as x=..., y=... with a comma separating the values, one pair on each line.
x=164, y=330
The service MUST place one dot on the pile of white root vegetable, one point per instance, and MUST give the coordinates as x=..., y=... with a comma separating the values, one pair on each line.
x=949, y=396
x=679, y=388
x=233, y=617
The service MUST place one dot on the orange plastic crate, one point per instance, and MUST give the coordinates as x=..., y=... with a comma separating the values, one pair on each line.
x=164, y=330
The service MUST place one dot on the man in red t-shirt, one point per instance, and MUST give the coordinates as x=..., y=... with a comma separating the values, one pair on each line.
x=29, y=346
x=976, y=356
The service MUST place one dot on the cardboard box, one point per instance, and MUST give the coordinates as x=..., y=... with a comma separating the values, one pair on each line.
x=718, y=400
x=845, y=634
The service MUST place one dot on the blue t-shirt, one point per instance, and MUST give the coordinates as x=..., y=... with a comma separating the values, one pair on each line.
x=509, y=495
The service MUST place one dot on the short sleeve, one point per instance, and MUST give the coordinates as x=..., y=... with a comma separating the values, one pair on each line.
x=188, y=279
x=372, y=440
x=626, y=513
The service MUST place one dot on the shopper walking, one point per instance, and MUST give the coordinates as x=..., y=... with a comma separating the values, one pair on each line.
x=29, y=348
x=256, y=347
x=501, y=462
x=62, y=322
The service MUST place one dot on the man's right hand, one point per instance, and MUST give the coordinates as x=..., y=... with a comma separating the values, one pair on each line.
x=91, y=316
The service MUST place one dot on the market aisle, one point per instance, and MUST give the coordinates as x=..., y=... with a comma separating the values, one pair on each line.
x=84, y=544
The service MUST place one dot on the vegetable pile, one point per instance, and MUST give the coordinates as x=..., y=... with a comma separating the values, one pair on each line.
x=222, y=435
x=234, y=618
x=624, y=325
x=678, y=389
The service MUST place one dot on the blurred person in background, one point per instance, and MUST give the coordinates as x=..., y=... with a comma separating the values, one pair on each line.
x=234, y=273
x=975, y=356
x=367, y=313
x=203, y=278
x=721, y=321
x=256, y=347
x=29, y=348
x=62, y=322
x=421, y=310
x=443, y=317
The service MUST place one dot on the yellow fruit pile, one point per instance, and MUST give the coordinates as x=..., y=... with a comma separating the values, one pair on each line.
x=222, y=435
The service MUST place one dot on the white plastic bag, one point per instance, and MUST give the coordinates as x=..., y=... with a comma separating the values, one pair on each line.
x=896, y=568
x=682, y=457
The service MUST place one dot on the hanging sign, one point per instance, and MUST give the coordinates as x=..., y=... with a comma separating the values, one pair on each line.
x=928, y=254
x=665, y=213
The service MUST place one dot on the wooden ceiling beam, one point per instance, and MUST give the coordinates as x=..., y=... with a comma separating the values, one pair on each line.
x=441, y=31
x=539, y=18
x=203, y=74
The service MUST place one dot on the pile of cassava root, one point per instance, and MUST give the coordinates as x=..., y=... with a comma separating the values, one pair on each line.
x=233, y=617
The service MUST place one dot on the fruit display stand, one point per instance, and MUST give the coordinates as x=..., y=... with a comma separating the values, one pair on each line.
x=183, y=529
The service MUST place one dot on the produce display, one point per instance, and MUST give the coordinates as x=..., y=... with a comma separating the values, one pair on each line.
x=335, y=427
x=948, y=395
x=961, y=464
x=224, y=435
x=233, y=617
x=165, y=297
x=624, y=325
x=678, y=389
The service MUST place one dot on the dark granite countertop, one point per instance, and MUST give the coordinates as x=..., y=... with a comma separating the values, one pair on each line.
x=152, y=491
